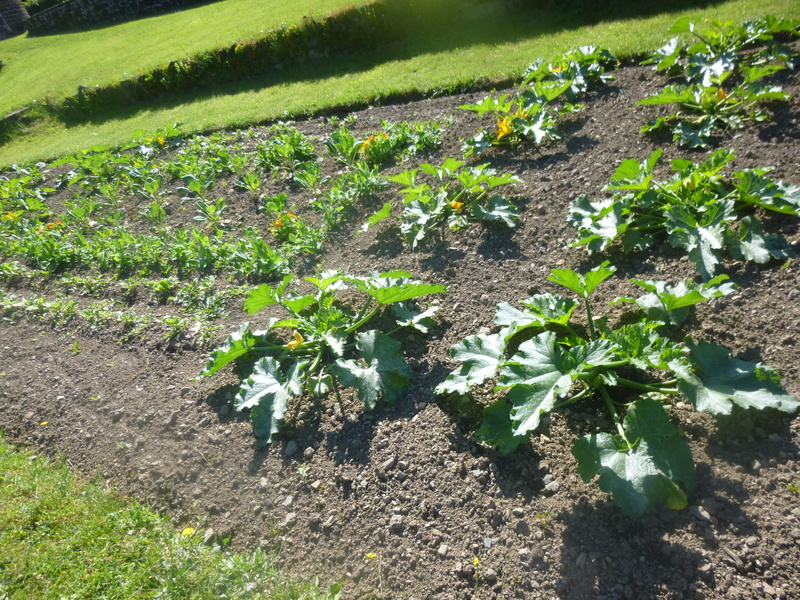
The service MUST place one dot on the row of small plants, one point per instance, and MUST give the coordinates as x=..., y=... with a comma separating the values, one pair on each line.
x=541, y=356
x=95, y=247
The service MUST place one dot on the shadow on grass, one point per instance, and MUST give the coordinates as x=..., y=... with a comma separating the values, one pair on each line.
x=429, y=31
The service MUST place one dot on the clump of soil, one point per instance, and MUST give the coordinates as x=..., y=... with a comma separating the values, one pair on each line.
x=402, y=502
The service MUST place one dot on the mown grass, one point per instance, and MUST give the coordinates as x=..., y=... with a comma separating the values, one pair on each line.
x=474, y=49
x=53, y=66
x=62, y=537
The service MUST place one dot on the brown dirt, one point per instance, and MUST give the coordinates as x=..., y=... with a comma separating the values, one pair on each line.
x=407, y=483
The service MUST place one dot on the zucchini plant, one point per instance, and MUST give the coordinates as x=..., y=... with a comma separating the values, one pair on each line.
x=697, y=208
x=723, y=76
x=547, y=362
x=457, y=197
x=325, y=345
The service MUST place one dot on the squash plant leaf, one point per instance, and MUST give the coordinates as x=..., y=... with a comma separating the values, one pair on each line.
x=750, y=243
x=754, y=188
x=702, y=237
x=384, y=375
x=542, y=371
x=481, y=356
x=669, y=304
x=598, y=222
x=237, y=344
x=266, y=393
x=407, y=316
x=718, y=381
x=496, y=429
x=265, y=295
x=650, y=472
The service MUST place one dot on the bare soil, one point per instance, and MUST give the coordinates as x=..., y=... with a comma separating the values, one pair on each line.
x=402, y=502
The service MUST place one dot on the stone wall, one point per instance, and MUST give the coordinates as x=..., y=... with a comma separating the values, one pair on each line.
x=77, y=14
x=12, y=16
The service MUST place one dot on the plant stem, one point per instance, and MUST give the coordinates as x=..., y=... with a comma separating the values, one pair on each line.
x=643, y=387
x=614, y=416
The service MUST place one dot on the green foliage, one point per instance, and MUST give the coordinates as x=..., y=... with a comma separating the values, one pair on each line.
x=286, y=152
x=394, y=142
x=545, y=362
x=457, y=197
x=697, y=208
x=327, y=347
x=529, y=115
x=722, y=75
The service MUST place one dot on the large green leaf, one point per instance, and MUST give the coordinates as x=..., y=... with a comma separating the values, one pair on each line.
x=719, y=381
x=386, y=374
x=583, y=285
x=266, y=393
x=481, y=354
x=403, y=292
x=265, y=295
x=754, y=188
x=542, y=371
x=669, y=304
x=634, y=175
x=496, y=429
x=648, y=473
x=238, y=343
x=703, y=236
x=598, y=223
x=644, y=348
x=750, y=243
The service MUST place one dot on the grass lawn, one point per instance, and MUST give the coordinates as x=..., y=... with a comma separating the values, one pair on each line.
x=65, y=538
x=472, y=50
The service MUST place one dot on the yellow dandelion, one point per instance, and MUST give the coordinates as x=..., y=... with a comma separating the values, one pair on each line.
x=503, y=128
x=187, y=531
x=476, y=561
x=43, y=423
x=161, y=141
x=298, y=339
x=371, y=555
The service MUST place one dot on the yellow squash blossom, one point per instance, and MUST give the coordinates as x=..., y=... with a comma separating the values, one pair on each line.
x=456, y=205
x=298, y=339
x=721, y=95
x=503, y=128
x=161, y=141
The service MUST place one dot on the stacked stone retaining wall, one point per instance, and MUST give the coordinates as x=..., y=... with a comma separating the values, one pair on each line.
x=12, y=17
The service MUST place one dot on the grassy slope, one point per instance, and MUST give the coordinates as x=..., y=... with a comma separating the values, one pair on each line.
x=55, y=65
x=476, y=49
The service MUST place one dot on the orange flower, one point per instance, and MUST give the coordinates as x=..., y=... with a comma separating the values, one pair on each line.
x=721, y=95
x=298, y=339
x=503, y=128
x=456, y=205
x=367, y=142
x=51, y=225
x=277, y=223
